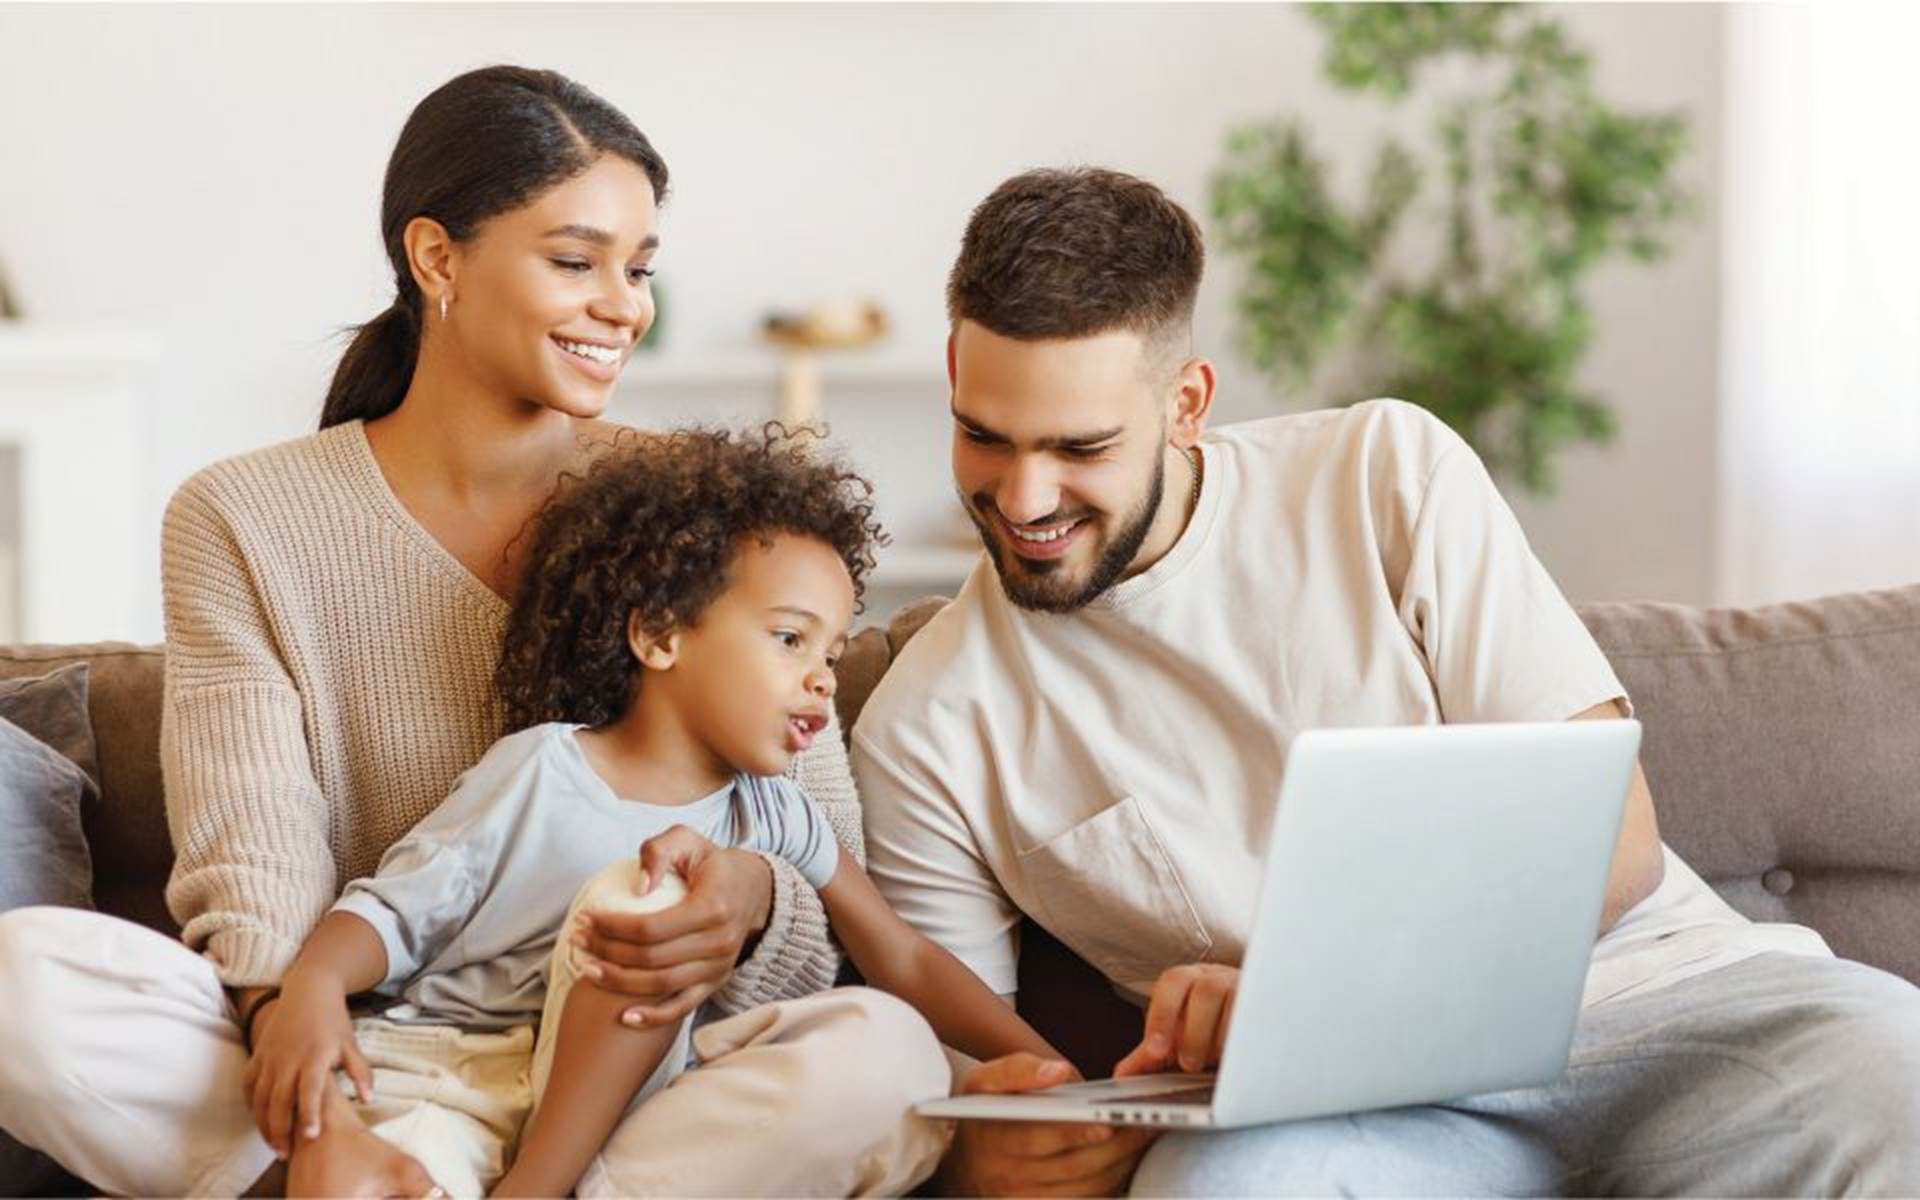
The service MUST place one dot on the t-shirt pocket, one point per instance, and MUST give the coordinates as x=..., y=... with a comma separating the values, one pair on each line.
x=1109, y=890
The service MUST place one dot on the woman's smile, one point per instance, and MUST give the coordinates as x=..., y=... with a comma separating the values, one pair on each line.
x=598, y=361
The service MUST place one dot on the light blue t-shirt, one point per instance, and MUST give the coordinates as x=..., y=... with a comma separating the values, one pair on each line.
x=469, y=903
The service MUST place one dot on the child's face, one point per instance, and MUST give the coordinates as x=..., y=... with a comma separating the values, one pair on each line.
x=755, y=674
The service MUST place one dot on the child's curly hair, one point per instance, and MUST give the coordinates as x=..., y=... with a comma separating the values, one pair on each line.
x=654, y=527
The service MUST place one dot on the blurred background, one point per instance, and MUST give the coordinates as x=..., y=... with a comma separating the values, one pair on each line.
x=1657, y=260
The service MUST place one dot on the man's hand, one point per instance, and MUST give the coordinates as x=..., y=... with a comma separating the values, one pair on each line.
x=1031, y=1158
x=1186, y=1020
x=677, y=957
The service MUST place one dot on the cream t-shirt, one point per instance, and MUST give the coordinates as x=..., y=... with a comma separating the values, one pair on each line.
x=1114, y=771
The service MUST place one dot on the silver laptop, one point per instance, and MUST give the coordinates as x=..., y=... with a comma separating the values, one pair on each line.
x=1430, y=902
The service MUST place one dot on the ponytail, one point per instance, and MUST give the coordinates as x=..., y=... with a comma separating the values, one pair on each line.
x=374, y=373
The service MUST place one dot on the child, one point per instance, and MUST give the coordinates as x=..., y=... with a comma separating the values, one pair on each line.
x=671, y=650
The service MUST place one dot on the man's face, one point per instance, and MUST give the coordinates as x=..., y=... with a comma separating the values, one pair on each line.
x=1058, y=457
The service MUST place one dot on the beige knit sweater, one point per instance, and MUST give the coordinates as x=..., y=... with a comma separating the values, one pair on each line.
x=329, y=673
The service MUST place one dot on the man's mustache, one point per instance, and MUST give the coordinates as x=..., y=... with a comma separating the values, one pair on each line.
x=984, y=505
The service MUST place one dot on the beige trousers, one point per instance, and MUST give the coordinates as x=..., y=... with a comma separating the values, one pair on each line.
x=453, y=1099
x=120, y=1058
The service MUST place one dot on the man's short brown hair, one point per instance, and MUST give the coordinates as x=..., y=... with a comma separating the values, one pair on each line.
x=1074, y=253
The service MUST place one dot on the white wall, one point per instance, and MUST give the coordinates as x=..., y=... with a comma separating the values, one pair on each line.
x=1821, y=435
x=213, y=173
x=1636, y=520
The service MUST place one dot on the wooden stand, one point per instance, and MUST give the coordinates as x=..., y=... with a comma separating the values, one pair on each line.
x=799, y=404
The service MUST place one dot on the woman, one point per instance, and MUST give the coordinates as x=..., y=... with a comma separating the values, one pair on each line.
x=334, y=611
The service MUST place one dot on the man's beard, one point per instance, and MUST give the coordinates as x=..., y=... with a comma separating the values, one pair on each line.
x=1037, y=585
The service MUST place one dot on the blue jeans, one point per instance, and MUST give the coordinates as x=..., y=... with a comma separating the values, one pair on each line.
x=1779, y=1075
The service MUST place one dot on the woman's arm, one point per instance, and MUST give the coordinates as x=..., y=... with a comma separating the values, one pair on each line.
x=795, y=954
x=252, y=870
x=896, y=958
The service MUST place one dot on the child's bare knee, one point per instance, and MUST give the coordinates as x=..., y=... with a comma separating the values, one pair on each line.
x=621, y=887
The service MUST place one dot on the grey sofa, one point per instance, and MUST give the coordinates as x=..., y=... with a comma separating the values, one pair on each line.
x=1782, y=745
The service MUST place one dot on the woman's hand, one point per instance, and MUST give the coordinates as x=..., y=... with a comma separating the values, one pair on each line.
x=677, y=957
x=299, y=1040
x=1186, y=1020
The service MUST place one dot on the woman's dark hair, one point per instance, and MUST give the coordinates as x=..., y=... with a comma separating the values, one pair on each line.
x=653, y=528
x=479, y=145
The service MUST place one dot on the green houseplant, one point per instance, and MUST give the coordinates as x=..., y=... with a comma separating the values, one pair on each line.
x=9, y=311
x=1538, y=180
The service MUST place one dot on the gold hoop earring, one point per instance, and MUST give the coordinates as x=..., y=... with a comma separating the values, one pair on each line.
x=443, y=304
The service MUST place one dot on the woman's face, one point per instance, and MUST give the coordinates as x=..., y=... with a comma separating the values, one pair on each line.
x=550, y=298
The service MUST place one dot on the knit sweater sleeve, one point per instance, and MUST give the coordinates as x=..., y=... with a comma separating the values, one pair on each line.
x=252, y=871
x=796, y=955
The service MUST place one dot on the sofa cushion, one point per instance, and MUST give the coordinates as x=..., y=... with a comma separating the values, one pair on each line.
x=47, y=777
x=127, y=829
x=46, y=780
x=53, y=708
x=1784, y=756
x=871, y=651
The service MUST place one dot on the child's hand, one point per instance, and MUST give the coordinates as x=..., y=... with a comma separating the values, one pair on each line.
x=299, y=1044
x=1186, y=1020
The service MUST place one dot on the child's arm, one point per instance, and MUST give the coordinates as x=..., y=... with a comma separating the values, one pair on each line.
x=598, y=1065
x=309, y=1033
x=896, y=958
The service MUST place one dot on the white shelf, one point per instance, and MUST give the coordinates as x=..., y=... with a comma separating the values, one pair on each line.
x=850, y=368
x=887, y=414
x=924, y=566
x=74, y=407
x=74, y=350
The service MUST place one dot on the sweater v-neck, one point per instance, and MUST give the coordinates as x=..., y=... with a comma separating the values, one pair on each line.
x=373, y=481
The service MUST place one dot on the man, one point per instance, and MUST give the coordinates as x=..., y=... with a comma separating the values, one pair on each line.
x=1093, y=734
